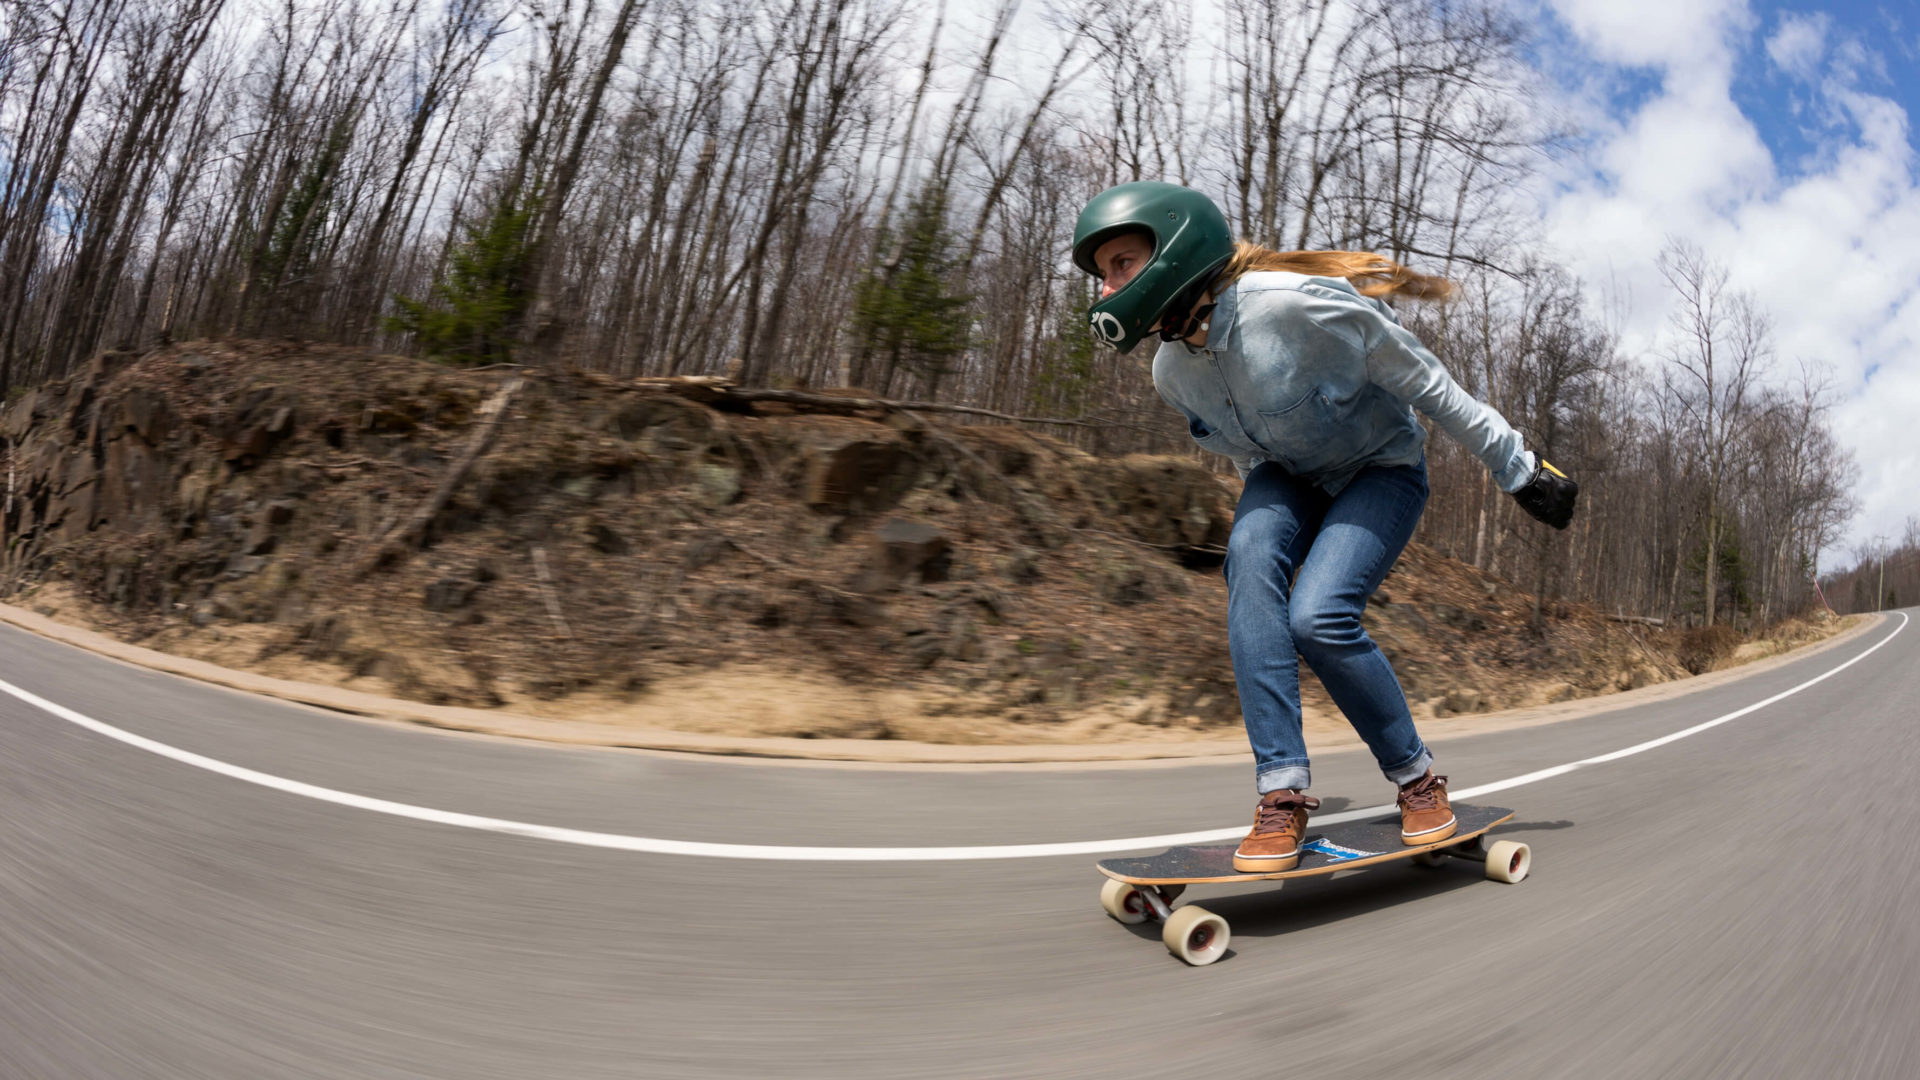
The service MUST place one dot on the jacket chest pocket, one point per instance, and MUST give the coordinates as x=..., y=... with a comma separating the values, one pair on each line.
x=1315, y=430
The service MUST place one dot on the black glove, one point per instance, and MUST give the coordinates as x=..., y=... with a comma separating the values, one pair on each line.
x=1549, y=495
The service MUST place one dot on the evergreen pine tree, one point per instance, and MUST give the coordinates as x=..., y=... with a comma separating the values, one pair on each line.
x=295, y=237
x=469, y=313
x=909, y=315
x=1065, y=372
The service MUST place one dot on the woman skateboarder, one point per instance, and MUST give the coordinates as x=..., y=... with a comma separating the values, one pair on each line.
x=1290, y=364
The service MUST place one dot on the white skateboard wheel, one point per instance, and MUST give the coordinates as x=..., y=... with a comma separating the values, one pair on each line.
x=1508, y=861
x=1123, y=902
x=1195, y=935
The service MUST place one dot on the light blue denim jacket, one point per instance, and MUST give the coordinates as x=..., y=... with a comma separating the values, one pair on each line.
x=1305, y=372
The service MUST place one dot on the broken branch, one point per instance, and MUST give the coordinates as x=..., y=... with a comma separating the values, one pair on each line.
x=545, y=577
x=413, y=534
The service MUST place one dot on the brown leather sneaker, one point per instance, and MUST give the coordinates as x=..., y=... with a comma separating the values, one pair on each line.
x=1278, y=824
x=1425, y=817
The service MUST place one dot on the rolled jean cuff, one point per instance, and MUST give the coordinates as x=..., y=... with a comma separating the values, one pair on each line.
x=1402, y=775
x=1282, y=775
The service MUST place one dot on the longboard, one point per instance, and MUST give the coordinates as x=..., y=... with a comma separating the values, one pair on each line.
x=1144, y=888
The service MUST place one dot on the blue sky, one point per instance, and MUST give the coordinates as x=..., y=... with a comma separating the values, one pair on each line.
x=1788, y=117
x=1780, y=138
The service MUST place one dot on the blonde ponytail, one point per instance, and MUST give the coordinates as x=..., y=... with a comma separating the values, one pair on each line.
x=1373, y=275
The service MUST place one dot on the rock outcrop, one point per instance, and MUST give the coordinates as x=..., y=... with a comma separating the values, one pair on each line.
x=611, y=534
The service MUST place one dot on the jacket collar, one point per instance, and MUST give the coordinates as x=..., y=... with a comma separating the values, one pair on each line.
x=1226, y=308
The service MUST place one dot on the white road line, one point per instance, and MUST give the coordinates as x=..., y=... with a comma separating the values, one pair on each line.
x=776, y=852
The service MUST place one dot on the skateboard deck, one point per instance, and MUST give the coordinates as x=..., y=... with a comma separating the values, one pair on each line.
x=1143, y=888
x=1346, y=846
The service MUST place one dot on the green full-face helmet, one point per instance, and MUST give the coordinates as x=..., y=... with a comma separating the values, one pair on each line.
x=1191, y=242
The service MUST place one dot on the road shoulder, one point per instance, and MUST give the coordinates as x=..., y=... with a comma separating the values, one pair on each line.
x=574, y=733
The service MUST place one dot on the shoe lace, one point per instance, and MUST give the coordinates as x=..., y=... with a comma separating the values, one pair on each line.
x=1278, y=816
x=1424, y=795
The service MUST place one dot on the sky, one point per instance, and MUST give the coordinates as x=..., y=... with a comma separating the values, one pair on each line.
x=1780, y=139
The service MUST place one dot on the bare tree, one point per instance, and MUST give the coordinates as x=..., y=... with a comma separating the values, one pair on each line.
x=1722, y=346
x=674, y=186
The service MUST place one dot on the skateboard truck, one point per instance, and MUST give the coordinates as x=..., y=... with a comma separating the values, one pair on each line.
x=1194, y=934
x=1162, y=908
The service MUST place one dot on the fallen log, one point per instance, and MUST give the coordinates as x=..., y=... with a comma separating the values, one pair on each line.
x=413, y=532
x=718, y=390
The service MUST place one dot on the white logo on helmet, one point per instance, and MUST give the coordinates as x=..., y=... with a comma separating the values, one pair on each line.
x=1107, y=328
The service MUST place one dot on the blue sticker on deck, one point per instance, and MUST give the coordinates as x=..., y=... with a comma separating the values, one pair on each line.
x=1334, y=851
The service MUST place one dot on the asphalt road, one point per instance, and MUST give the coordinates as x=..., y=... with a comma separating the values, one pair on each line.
x=1737, y=903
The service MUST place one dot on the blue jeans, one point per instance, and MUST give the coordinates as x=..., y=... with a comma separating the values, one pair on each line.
x=1341, y=547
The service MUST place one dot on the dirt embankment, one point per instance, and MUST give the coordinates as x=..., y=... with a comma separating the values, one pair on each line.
x=626, y=555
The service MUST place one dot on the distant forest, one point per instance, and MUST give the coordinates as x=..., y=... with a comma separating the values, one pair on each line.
x=881, y=194
x=1885, y=574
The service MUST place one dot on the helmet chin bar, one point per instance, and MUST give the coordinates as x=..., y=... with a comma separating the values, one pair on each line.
x=1107, y=329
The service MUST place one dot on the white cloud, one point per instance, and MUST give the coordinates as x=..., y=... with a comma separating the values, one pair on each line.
x=1827, y=246
x=1671, y=33
x=1799, y=44
x=1690, y=149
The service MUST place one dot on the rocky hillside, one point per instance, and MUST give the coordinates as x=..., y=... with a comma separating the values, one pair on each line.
x=507, y=537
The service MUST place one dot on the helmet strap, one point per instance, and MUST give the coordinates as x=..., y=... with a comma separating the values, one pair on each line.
x=1188, y=324
x=1174, y=328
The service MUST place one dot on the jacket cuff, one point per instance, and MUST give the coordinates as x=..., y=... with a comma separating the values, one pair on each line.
x=1517, y=473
